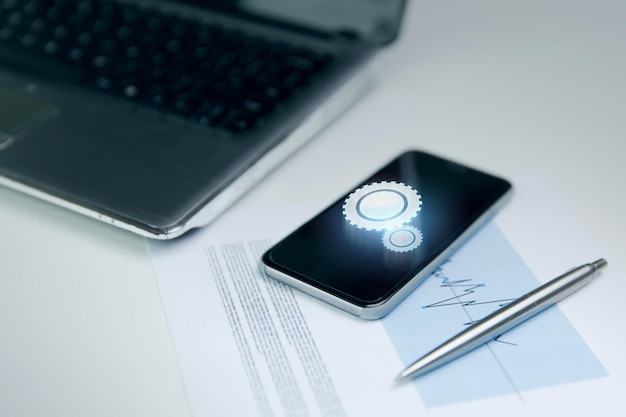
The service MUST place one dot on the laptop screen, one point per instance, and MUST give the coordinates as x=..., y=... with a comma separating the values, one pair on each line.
x=376, y=20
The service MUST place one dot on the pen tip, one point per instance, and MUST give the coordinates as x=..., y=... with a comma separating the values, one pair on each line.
x=402, y=376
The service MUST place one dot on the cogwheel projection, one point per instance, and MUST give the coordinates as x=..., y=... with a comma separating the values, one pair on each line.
x=402, y=239
x=382, y=205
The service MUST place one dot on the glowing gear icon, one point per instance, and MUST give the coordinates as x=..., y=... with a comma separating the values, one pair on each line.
x=402, y=239
x=382, y=205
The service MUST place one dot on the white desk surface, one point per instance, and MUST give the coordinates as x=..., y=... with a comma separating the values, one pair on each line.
x=510, y=87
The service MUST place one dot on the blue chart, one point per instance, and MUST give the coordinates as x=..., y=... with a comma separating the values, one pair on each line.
x=484, y=275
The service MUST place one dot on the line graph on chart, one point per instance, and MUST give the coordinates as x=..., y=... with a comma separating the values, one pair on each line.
x=464, y=293
x=484, y=275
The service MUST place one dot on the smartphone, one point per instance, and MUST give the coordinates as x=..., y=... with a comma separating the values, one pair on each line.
x=372, y=247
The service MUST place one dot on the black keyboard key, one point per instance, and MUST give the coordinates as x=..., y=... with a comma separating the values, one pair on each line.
x=239, y=121
x=210, y=75
x=209, y=113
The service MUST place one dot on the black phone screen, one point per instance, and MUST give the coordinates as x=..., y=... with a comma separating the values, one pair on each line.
x=367, y=245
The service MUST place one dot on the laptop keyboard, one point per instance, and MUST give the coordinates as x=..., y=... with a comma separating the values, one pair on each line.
x=209, y=75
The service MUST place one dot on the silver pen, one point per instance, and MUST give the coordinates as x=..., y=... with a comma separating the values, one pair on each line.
x=505, y=318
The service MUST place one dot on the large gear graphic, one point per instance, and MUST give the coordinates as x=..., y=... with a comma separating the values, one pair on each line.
x=382, y=205
x=402, y=239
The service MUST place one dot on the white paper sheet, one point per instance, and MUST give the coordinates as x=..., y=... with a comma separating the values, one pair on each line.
x=248, y=345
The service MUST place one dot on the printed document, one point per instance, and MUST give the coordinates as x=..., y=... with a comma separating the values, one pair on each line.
x=250, y=346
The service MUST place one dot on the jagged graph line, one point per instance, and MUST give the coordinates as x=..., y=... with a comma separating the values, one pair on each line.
x=462, y=292
x=464, y=288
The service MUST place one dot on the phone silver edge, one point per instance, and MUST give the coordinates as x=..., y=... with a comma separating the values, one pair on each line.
x=379, y=310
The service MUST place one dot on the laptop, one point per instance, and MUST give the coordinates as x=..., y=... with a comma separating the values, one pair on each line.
x=155, y=116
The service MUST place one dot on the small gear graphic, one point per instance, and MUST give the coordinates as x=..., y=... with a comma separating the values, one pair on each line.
x=402, y=239
x=382, y=205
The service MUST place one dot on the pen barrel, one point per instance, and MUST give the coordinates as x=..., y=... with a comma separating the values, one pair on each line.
x=529, y=305
x=506, y=318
